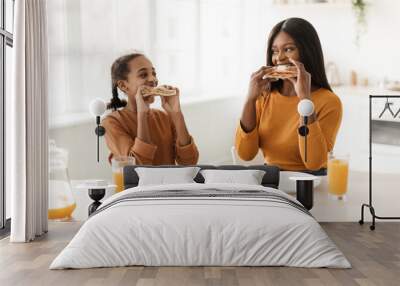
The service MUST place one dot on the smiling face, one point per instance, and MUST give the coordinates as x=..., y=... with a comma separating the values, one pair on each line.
x=297, y=39
x=283, y=48
x=141, y=72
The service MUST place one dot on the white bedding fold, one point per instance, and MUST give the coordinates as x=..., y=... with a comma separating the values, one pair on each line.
x=200, y=231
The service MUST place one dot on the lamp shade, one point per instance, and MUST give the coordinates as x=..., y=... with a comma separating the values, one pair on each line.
x=97, y=107
x=305, y=107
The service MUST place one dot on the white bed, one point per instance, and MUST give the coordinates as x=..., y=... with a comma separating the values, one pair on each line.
x=203, y=231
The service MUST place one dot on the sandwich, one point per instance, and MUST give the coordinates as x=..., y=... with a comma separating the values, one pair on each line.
x=159, y=90
x=281, y=72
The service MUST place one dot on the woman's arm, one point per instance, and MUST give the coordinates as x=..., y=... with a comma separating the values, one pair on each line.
x=248, y=118
x=322, y=134
x=246, y=141
x=257, y=86
x=322, y=128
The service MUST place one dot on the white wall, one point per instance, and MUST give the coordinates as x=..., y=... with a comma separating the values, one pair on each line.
x=335, y=24
x=231, y=43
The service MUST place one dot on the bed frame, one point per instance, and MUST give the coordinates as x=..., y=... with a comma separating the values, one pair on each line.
x=270, y=179
x=304, y=189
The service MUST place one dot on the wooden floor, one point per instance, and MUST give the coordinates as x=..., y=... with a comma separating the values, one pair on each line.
x=375, y=257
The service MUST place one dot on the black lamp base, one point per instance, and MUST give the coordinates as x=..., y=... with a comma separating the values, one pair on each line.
x=100, y=130
x=96, y=195
x=305, y=193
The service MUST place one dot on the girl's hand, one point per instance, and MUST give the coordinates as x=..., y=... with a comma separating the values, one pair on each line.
x=302, y=83
x=258, y=84
x=142, y=103
x=171, y=104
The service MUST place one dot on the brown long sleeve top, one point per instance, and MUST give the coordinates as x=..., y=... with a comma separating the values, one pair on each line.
x=121, y=131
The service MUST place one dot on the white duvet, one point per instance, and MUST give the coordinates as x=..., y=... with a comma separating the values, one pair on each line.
x=200, y=231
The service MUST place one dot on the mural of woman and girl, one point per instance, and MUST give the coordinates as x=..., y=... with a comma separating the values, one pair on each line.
x=269, y=120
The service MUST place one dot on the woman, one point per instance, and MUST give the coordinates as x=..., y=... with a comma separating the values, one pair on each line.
x=270, y=120
x=152, y=136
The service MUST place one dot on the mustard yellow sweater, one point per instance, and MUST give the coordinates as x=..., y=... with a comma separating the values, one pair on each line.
x=277, y=136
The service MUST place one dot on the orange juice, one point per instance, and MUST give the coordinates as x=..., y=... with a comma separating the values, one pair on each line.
x=338, y=171
x=61, y=201
x=61, y=213
x=118, y=163
x=119, y=181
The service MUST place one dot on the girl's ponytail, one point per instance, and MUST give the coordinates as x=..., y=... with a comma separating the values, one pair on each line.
x=116, y=102
x=119, y=71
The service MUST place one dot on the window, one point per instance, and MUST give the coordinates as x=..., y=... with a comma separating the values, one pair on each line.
x=196, y=45
x=6, y=43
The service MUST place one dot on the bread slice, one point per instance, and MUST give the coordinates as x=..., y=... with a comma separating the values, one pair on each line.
x=282, y=72
x=160, y=91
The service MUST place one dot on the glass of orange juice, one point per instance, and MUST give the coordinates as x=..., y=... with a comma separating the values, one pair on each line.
x=118, y=163
x=338, y=172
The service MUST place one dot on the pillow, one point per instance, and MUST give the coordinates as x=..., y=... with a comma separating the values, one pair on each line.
x=248, y=177
x=165, y=176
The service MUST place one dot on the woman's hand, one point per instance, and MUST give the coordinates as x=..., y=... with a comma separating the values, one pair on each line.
x=171, y=104
x=302, y=83
x=302, y=86
x=258, y=84
x=142, y=104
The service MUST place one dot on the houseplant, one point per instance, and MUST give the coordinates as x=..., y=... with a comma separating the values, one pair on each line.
x=360, y=10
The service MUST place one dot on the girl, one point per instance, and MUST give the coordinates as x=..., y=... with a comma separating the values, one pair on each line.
x=152, y=136
x=270, y=120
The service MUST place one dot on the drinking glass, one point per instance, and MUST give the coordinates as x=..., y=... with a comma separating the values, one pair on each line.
x=338, y=172
x=118, y=163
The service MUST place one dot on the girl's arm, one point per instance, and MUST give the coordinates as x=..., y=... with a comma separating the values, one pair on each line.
x=143, y=131
x=182, y=135
x=120, y=143
x=186, y=150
